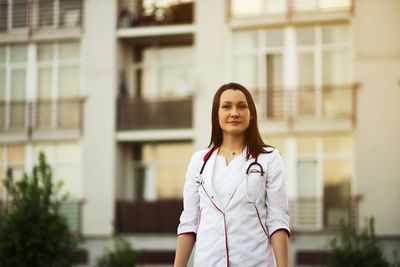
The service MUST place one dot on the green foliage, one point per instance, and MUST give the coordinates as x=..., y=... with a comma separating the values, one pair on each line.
x=357, y=249
x=123, y=256
x=32, y=232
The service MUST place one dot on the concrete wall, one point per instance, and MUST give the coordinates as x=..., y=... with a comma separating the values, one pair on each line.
x=211, y=57
x=99, y=59
x=377, y=136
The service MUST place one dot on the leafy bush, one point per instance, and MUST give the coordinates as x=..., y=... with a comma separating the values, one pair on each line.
x=123, y=256
x=32, y=231
x=357, y=249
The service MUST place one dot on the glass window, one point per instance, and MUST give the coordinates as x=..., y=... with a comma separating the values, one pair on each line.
x=70, y=175
x=245, y=39
x=307, y=178
x=305, y=35
x=47, y=148
x=335, y=68
x=69, y=50
x=18, y=53
x=2, y=84
x=68, y=152
x=68, y=82
x=3, y=15
x=305, y=68
x=46, y=12
x=276, y=141
x=274, y=37
x=340, y=143
x=242, y=8
x=275, y=6
x=334, y=4
x=245, y=70
x=19, y=13
x=336, y=33
x=18, y=84
x=2, y=54
x=70, y=13
x=307, y=144
x=15, y=154
x=45, y=82
x=302, y=5
x=275, y=71
x=45, y=52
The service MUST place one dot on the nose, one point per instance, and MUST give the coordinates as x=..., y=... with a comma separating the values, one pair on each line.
x=234, y=112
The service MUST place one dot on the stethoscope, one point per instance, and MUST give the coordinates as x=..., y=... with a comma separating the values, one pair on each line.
x=199, y=179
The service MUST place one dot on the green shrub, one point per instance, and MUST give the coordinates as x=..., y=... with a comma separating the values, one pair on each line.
x=357, y=249
x=123, y=255
x=32, y=231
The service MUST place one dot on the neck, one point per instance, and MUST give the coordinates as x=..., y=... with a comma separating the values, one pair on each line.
x=232, y=143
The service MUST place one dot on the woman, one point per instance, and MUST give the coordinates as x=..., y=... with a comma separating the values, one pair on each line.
x=235, y=205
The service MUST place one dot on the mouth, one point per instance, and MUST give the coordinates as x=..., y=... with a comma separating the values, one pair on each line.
x=234, y=122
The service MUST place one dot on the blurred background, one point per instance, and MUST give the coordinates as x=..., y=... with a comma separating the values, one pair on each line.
x=118, y=94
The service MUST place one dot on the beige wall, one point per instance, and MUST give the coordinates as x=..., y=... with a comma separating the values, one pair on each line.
x=99, y=79
x=377, y=137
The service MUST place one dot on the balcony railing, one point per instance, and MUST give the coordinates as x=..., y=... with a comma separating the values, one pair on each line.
x=306, y=214
x=65, y=113
x=145, y=216
x=33, y=15
x=288, y=8
x=337, y=102
x=71, y=210
x=143, y=114
x=314, y=214
x=136, y=13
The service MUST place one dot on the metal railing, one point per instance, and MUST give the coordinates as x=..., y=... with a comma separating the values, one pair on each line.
x=306, y=214
x=135, y=13
x=32, y=15
x=288, y=8
x=21, y=115
x=326, y=102
x=141, y=114
x=71, y=210
x=315, y=214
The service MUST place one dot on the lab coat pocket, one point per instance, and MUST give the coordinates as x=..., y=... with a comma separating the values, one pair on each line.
x=253, y=185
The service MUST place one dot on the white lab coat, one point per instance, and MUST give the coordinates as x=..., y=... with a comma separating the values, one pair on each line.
x=237, y=233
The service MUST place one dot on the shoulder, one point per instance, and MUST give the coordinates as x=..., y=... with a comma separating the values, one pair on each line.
x=272, y=158
x=199, y=155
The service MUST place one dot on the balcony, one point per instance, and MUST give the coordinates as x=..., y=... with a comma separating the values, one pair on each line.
x=141, y=18
x=304, y=106
x=316, y=214
x=158, y=114
x=70, y=209
x=269, y=12
x=30, y=119
x=306, y=214
x=22, y=19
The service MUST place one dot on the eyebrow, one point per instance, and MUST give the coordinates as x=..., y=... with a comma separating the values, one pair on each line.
x=229, y=102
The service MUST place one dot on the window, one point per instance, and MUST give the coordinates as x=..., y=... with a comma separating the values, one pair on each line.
x=323, y=93
x=64, y=158
x=58, y=79
x=11, y=156
x=164, y=72
x=159, y=170
x=13, y=86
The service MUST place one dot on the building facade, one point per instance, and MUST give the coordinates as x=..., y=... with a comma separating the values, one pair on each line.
x=118, y=94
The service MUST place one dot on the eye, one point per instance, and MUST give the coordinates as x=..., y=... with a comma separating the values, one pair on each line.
x=225, y=106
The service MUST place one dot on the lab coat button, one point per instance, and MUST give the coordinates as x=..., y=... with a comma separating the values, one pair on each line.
x=212, y=197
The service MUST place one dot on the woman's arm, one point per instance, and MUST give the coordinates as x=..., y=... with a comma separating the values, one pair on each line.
x=184, y=247
x=280, y=244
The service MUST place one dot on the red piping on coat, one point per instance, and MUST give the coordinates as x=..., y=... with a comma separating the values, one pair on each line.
x=259, y=219
x=287, y=231
x=187, y=233
x=211, y=151
x=198, y=223
x=226, y=234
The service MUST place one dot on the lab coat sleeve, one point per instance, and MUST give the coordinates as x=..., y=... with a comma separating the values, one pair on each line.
x=191, y=201
x=276, y=200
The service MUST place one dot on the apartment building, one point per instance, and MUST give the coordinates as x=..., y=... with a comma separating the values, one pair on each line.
x=118, y=94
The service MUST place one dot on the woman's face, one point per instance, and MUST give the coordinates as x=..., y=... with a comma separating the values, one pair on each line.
x=233, y=112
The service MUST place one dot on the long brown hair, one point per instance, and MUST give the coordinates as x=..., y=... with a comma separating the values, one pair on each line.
x=252, y=139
